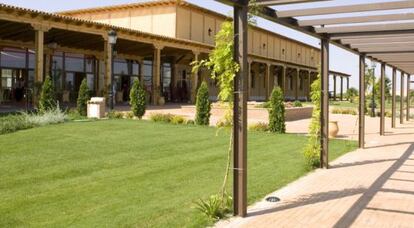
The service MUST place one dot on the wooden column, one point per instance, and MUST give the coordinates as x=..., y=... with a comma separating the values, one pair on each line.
x=297, y=84
x=240, y=111
x=361, y=133
x=194, y=80
x=334, y=87
x=342, y=88
x=408, y=98
x=156, y=75
x=402, y=99
x=39, y=58
x=393, y=102
x=268, y=86
x=347, y=85
x=382, y=93
x=324, y=103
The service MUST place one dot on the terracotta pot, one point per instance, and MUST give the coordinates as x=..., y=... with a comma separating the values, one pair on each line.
x=333, y=129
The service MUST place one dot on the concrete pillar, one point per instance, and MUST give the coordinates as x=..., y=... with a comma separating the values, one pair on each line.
x=393, y=102
x=156, y=75
x=402, y=99
x=194, y=80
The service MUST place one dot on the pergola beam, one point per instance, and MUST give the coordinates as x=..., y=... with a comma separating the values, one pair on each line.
x=284, y=2
x=381, y=45
x=370, y=40
x=366, y=28
x=360, y=19
x=347, y=9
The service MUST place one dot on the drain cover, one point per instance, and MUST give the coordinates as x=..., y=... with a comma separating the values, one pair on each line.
x=272, y=199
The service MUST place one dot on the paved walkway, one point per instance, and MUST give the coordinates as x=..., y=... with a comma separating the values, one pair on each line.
x=366, y=188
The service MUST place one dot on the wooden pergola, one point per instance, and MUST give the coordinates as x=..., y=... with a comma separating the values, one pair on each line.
x=384, y=38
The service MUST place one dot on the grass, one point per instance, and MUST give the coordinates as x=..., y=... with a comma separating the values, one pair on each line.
x=126, y=173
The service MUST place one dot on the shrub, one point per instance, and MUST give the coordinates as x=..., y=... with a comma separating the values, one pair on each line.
x=12, y=123
x=313, y=147
x=190, y=122
x=137, y=98
x=203, y=106
x=226, y=121
x=115, y=115
x=177, y=120
x=83, y=98
x=351, y=94
x=160, y=117
x=47, y=99
x=277, y=112
x=215, y=207
x=259, y=127
x=54, y=116
x=344, y=111
x=297, y=104
x=129, y=115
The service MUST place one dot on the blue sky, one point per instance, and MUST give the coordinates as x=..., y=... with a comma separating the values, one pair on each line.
x=340, y=60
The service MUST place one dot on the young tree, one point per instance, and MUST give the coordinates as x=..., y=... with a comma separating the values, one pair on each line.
x=137, y=98
x=277, y=112
x=47, y=99
x=203, y=105
x=83, y=98
x=313, y=147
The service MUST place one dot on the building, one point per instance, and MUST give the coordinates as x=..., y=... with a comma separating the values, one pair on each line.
x=156, y=43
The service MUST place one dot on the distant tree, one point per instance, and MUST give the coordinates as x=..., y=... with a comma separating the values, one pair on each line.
x=351, y=94
x=277, y=111
x=47, y=99
x=203, y=105
x=137, y=98
x=83, y=98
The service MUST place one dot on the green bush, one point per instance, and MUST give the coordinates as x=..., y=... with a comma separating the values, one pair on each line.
x=16, y=122
x=277, y=112
x=190, y=122
x=83, y=98
x=313, y=147
x=215, y=207
x=115, y=115
x=160, y=117
x=47, y=99
x=177, y=120
x=297, y=104
x=137, y=98
x=203, y=106
x=344, y=111
x=129, y=115
x=259, y=127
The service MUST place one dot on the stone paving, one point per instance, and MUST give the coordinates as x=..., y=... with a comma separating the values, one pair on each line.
x=373, y=187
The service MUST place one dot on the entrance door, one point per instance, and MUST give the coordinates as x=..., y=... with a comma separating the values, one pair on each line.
x=14, y=85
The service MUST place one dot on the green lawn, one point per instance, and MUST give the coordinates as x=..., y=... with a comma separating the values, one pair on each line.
x=125, y=173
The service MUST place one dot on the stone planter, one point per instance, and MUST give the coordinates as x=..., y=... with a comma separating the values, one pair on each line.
x=333, y=129
x=293, y=114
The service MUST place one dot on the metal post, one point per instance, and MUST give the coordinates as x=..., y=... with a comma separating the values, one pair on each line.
x=324, y=103
x=240, y=111
x=382, y=116
x=361, y=133
x=408, y=97
x=347, y=86
x=373, y=104
x=393, y=104
x=402, y=99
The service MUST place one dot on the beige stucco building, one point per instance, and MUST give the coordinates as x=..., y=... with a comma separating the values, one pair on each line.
x=156, y=43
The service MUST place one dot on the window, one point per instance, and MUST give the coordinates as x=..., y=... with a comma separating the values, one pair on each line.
x=13, y=58
x=148, y=74
x=290, y=82
x=300, y=82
